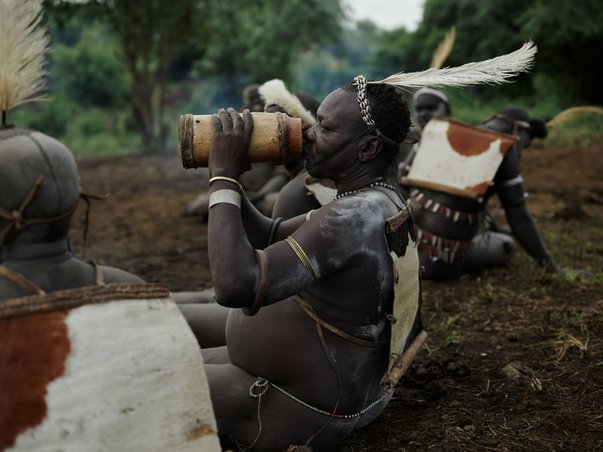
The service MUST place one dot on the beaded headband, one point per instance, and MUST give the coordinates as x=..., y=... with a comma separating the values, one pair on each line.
x=365, y=108
x=493, y=71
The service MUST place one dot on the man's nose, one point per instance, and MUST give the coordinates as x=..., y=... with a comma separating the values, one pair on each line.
x=309, y=134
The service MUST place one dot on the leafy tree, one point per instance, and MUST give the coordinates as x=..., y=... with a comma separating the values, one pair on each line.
x=567, y=34
x=570, y=38
x=240, y=41
x=256, y=40
x=152, y=35
x=90, y=71
x=321, y=69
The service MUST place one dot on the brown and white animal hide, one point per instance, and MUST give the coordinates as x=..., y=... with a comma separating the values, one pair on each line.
x=103, y=368
x=457, y=158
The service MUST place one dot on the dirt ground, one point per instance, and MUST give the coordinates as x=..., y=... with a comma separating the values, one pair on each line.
x=514, y=360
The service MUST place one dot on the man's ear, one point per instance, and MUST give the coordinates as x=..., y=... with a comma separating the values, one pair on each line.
x=371, y=147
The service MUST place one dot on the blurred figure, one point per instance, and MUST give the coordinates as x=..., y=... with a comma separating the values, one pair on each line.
x=252, y=100
x=427, y=103
x=40, y=192
x=289, y=200
x=295, y=197
x=263, y=182
x=450, y=242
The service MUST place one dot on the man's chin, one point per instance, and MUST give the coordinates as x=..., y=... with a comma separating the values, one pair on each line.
x=309, y=169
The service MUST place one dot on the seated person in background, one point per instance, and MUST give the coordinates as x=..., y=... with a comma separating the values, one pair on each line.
x=39, y=195
x=430, y=102
x=277, y=98
x=427, y=103
x=319, y=297
x=252, y=100
x=450, y=242
x=294, y=198
x=263, y=182
x=74, y=336
x=40, y=192
x=299, y=105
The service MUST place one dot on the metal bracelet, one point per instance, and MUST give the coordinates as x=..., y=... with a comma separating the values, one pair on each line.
x=225, y=196
x=226, y=179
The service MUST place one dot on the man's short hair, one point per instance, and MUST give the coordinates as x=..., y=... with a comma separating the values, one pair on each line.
x=390, y=112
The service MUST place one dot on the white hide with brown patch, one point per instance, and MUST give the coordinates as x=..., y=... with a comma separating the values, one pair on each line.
x=457, y=158
x=125, y=374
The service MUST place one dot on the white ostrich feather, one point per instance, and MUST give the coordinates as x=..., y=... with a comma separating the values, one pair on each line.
x=443, y=49
x=22, y=47
x=275, y=92
x=493, y=71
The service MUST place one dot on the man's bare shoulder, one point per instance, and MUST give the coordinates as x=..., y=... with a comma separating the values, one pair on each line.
x=353, y=216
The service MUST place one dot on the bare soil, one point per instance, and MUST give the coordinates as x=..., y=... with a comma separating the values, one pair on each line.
x=514, y=360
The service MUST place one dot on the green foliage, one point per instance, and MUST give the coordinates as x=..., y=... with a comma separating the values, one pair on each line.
x=474, y=105
x=51, y=116
x=570, y=36
x=322, y=69
x=168, y=58
x=97, y=132
x=396, y=52
x=582, y=130
x=268, y=35
x=91, y=70
x=86, y=131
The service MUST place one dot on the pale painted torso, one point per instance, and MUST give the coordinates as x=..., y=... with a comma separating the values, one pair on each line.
x=357, y=286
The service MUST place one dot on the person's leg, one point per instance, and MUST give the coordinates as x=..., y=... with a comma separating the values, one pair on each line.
x=234, y=408
x=491, y=225
x=208, y=322
x=201, y=296
x=215, y=355
x=488, y=250
x=272, y=422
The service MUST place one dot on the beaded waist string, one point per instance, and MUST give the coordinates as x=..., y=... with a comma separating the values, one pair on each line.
x=261, y=386
x=425, y=203
x=440, y=248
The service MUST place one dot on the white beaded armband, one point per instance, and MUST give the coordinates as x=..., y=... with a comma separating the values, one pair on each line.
x=225, y=196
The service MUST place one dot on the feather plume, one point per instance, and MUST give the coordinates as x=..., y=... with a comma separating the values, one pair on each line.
x=275, y=92
x=22, y=47
x=493, y=71
x=443, y=49
x=565, y=115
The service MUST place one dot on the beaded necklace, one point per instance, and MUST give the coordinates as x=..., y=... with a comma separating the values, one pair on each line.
x=374, y=184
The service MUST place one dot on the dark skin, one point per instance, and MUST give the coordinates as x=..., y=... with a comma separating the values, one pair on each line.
x=522, y=225
x=264, y=178
x=294, y=199
x=252, y=100
x=50, y=265
x=345, y=243
x=426, y=107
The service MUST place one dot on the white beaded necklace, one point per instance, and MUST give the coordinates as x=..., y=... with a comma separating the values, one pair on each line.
x=374, y=184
